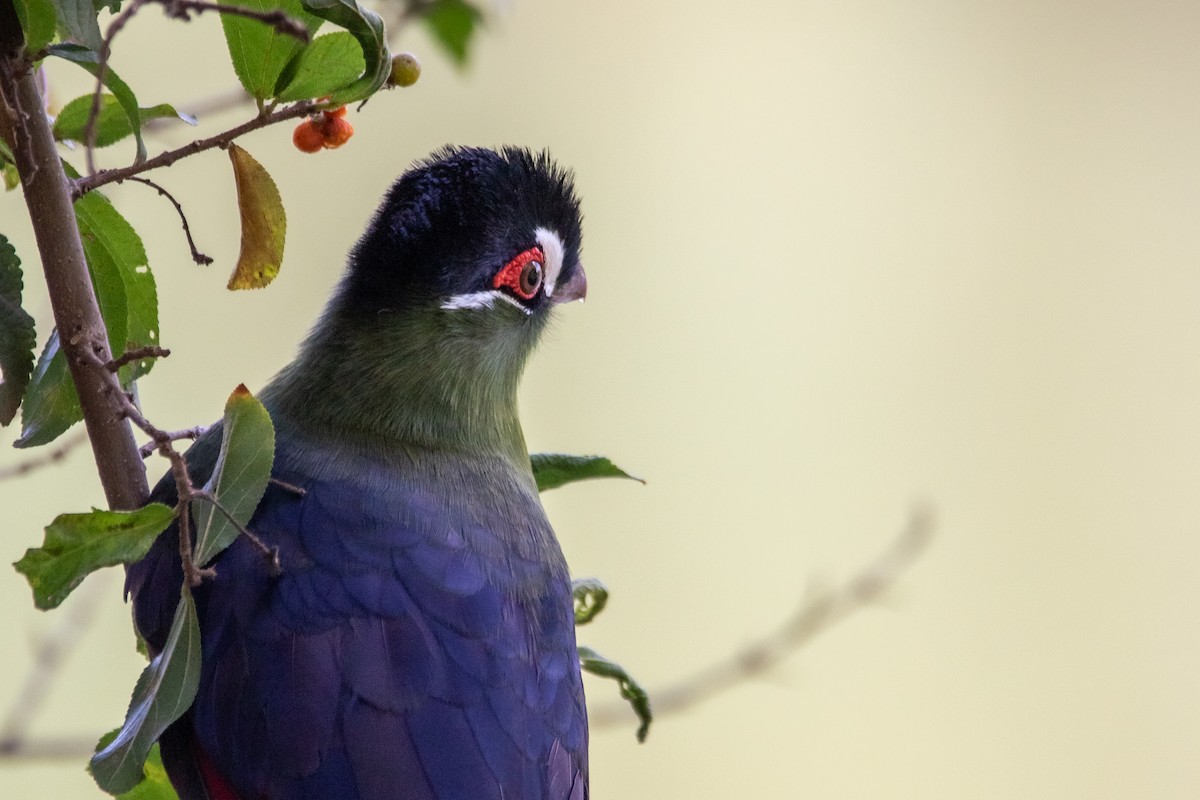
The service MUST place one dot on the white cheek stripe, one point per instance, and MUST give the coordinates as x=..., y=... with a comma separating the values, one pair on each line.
x=552, y=246
x=484, y=299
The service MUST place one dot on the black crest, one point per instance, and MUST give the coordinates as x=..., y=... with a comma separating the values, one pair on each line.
x=450, y=222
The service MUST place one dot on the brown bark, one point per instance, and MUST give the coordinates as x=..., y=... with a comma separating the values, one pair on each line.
x=76, y=313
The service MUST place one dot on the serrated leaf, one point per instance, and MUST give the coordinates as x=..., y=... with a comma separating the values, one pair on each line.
x=38, y=20
x=164, y=691
x=125, y=97
x=77, y=20
x=590, y=597
x=453, y=24
x=77, y=545
x=240, y=476
x=328, y=63
x=17, y=336
x=116, y=255
x=367, y=27
x=593, y=662
x=552, y=470
x=259, y=52
x=155, y=784
x=264, y=223
x=112, y=125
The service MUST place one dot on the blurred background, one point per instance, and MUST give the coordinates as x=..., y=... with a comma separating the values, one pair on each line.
x=844, y=259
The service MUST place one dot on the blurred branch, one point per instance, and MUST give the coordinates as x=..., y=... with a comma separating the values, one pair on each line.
x=815, y=615
x=50, y=654
x=50, y=457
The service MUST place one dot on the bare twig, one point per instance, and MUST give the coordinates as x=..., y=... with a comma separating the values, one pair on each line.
x=166, y=159
x=814, y=616
x=187, y=433
x=289, y=487
x=136, y=354
x=197, y=256
x=269, y=553
x=51, y=457
x=281, y=22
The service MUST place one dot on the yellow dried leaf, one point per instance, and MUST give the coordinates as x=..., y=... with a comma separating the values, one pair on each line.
x=264, y=223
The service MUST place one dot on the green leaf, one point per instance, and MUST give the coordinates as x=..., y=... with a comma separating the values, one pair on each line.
x=112, y=124
x=118, y=263
x=328, y=63
x=453, y=24
x=125, y=97
x=367, y=27
x=590, y=596
x=51, y=405
x=264, y=223
x=155, y=784
x=77, y=20
x=240, y=476
x=593, y=662
x=552, y=470
x=259, y=52
x=12, y=178
x=17, y=337
x=77, y=545
x=163, y=693
x=38, y=23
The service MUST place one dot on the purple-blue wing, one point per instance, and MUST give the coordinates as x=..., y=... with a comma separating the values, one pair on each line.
x=402, y=654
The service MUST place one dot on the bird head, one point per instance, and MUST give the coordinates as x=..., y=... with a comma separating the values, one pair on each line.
x=485, y=240
x=444, y=298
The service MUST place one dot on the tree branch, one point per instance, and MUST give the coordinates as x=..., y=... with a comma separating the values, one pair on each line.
x=814, y=616
x=166, y=159
x=76, y=313
x=60, y=451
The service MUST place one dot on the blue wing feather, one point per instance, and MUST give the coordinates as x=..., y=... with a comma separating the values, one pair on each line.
x=419, y=644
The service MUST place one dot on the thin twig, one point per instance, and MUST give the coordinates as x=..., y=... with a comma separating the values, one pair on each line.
x=271, y=554
x=84, y=185
x=136, y=354
x=814, y=616
x=289, y=487
x=200, y=258
x=51, y=457
x=196, y=432
x=280, y=21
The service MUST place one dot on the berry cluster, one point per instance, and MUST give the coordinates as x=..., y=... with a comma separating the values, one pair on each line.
x=326, y=130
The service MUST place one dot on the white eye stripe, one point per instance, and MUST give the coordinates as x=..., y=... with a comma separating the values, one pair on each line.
x=552, y=247
x=484, y=299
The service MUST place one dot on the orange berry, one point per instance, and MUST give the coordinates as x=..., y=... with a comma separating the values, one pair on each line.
x=335, y=132
x=340, y=111
x=308, y=137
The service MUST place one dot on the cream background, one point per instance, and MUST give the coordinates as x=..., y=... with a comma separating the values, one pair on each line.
x=843, y=258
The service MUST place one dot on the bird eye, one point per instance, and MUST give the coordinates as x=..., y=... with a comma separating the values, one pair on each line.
x=523, y=275
x=531, y=278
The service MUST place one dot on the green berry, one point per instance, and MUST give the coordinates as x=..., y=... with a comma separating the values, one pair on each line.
x=405, y=70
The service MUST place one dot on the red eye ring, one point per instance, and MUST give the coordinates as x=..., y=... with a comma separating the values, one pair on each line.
x=523, y=274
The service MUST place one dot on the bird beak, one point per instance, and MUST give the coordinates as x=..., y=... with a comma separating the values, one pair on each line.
x=574, y=289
